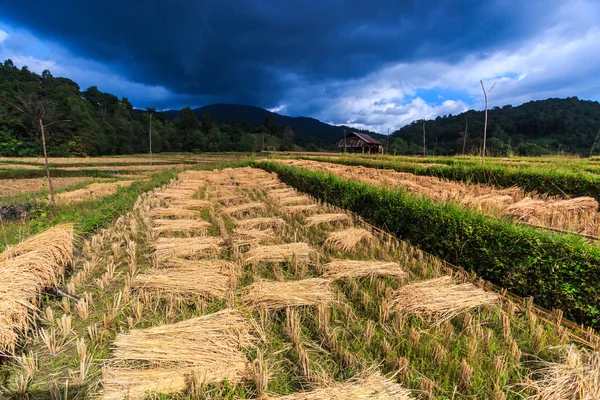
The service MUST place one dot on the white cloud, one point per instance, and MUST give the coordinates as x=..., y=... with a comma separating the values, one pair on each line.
x=279, y=109
x=550, y=65
x=3, y=35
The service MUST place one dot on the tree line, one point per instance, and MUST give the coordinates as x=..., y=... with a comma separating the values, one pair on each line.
x=552, y=126
x=93, y=123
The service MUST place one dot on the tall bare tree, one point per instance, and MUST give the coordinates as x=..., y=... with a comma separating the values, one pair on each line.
x=594, y=144
x=485, y=96
x=424, y=148
x=465, y=137
x=39, y=110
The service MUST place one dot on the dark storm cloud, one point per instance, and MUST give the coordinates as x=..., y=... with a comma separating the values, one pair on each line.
x=252, y=51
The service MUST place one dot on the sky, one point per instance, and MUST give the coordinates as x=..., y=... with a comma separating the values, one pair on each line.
x=376, y=65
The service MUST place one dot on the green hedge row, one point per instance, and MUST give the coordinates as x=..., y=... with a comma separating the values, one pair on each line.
x=532, y=179
x=560, y=271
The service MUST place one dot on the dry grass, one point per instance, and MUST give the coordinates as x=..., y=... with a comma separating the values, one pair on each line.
x=173, y=212
x=348, y=239
x=441, y=298
x=326, y=219
x=577, y=377
x=183, y=278
x=291, y=252
x=193, y=248
x=92, y=191
x=339, y=269
x=24, y=273
x=277, y=295
x=207, y=348
x=372, y=386
x=262, y=223
x=187, y=226
x=243, y=209
x=14, y=187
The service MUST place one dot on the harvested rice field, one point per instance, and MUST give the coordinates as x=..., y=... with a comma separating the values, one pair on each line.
x=14, y=187
x=577, y=215
x=211, y=288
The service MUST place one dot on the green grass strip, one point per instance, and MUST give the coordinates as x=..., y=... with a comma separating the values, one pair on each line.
x=560, y=271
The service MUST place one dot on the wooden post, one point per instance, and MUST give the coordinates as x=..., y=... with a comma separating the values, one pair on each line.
x=387, y=147
x=465, y=137
x=46, y=159
x=150, y=138
x=594, y=144
x=424, y=148
x=485, y=96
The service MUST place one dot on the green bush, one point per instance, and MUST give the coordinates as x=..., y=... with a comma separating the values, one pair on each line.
x=560, y=271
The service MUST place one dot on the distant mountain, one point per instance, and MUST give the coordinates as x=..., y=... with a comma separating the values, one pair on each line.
x=548, y=126
x=306, y=130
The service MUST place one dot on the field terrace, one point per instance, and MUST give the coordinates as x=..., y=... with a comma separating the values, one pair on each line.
x=298, y=299
x=577, y=215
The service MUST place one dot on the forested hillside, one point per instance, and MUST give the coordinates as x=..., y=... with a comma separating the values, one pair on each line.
x=93, y=123
x=307, y=131
x=539, y=127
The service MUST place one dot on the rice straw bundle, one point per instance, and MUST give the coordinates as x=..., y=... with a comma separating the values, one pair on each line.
x=577, y=377
x=232, y=200
x=298, y=252
x=207, y=348
x=22, y=279
x=265, y=222
x=137, y=384
x=193, y=248
x=174, y=194
x=294, y=200
x=284, y=192
x=373, y=386
x=244, y=209
x=173, y=212
x=196, y=226
x=277, y=295
x=248, y=238
x=326, y=219
x=300, y=209
x=210, y=341
x=192, y=204
x=338, y=269
x=184, y=277
x=348, y=239
x=440, y=297
x=194, y=175
x=60, y=236
x=129, y=383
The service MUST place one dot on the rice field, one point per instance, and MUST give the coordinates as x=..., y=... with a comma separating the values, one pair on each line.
x=14, y=187
x=576, y=215
x=236, y=296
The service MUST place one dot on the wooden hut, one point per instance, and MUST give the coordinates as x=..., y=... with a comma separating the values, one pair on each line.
x=357, y=142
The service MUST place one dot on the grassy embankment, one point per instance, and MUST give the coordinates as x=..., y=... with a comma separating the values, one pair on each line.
x=562, y=178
